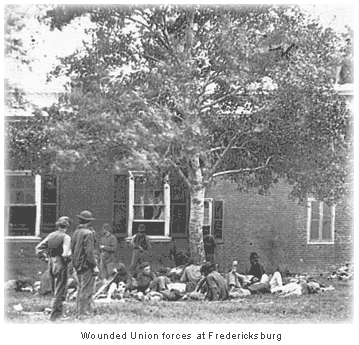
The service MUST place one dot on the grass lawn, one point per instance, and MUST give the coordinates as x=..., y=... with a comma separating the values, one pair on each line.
x=328, y=307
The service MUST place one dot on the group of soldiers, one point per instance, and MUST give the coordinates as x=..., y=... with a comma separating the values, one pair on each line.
x=88, y=257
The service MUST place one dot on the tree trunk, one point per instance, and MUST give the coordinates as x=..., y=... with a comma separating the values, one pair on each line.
x=196, y=215
x=195, y=225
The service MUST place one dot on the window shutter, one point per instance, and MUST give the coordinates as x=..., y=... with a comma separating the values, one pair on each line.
x=179, y=206
x=314, y=220
x=218, y=220
x=49, y=203
x=120, y=204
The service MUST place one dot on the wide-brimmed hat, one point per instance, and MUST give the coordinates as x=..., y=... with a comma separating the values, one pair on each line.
x=64, y=220
x=86, y=215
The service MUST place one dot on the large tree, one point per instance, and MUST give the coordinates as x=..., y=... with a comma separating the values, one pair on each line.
x=25, y=136
x=243, y=93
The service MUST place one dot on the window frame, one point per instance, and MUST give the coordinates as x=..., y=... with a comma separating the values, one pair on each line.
x=212, y=218
x=320, y=226
x=131, y=204
x=38, y=205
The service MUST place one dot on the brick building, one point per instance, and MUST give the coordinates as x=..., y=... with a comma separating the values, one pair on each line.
x=305, y=238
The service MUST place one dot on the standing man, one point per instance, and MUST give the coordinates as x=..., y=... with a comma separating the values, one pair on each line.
x=84, y=262
x=56, y=249
x=141, y=244
x=209, y=244
x=108, y=246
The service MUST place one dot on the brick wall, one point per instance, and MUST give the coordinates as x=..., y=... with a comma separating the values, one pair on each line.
x=273, y=225
x=78, y=191
x=86, y=190
x=276, y=228
x=21, y=261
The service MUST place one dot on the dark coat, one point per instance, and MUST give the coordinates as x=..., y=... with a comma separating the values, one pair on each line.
x=83, y=250
x=217, y=287
x=256, y=270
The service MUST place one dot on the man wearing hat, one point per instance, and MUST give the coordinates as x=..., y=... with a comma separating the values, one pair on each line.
x=56, y=249
x=108, y=246
x=84, y=262
x=141, y=245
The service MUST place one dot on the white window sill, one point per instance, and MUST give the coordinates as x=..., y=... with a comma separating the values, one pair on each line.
x=22, y=238
x=320, y=242
x=153, y=239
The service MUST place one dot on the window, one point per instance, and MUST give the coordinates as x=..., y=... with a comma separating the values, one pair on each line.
x=213, y=217
x=120, y=205
x=149, y=204
x=321, y=219
x=22, y=204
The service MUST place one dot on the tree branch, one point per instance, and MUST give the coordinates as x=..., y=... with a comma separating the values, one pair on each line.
x=181, y=173
x=151, y=58
x=220, y=159
x=217, y=100
x=241, y=170
x=156, y=36
x=222, y=148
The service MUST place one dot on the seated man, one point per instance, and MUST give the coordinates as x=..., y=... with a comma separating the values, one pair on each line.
x=259, y=281
x=234, y=283
x=191, y=276
x=145, y=277
x=160, y=283
x=256, y=270
x=216, y=285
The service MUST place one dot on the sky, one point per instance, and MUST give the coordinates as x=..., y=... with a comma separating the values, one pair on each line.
x=45, y=47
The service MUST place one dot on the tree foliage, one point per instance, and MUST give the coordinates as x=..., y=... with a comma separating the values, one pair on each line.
x=25, y=137
x=245, y=89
